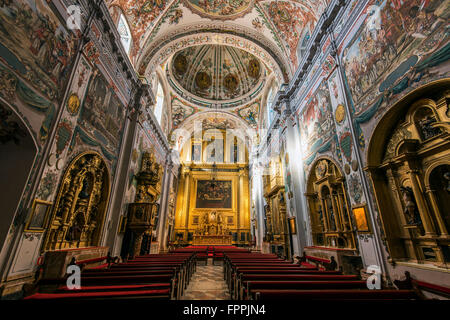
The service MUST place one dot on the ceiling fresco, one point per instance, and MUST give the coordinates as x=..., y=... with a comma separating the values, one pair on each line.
x=218, y=54
x=250, y=113
x=220, y=9
x=217, y=72
x=140, y=14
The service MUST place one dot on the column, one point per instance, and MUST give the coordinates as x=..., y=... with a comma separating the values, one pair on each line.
x=430, y=192
x=423, y=207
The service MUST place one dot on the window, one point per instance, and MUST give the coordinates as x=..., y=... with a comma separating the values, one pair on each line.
x=270, y=112
x=159, y=103
x=125, y=34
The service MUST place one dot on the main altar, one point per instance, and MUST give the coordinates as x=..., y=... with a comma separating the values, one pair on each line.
x=212, y=230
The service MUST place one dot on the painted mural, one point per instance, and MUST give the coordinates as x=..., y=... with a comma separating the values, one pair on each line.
x=141, y=15
x=36, y=46
x=220, y=9
x=399, y=46
x=317, y=128
x=250, y=113
x=102, y=115
x=290, y=20
x=180, y=111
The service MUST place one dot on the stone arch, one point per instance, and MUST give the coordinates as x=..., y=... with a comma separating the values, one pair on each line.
x=406, y=146
x=21, y=147
x=181, y=39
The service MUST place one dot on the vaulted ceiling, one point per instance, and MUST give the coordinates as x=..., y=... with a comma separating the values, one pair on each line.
x=211, y=49
x=216, y=74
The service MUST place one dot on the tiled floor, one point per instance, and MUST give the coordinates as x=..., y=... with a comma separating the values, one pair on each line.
x=207, y=284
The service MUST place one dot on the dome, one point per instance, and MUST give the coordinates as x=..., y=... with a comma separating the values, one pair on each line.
x=216, y=73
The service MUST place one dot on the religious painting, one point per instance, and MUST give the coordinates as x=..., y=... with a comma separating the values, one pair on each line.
x=141, y=14
x=361, y=219
x=196, y=152
x=317, y=125
x=103, y=115
x=181, y=111
x=394, y=38
x=39, y=216
x=290, y=20
x=213, y=194
x=250, y=113
x=220, y=9
x=36, y=45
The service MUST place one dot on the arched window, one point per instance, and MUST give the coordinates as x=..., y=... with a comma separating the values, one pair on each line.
x=125, y=33
x=159, y=103
x=270, y=99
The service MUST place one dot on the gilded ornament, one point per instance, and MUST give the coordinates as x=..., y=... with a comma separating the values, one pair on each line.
x=73, y=104
x=340, y=113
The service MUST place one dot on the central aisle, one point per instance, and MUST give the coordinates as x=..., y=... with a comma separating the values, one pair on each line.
x=207, y=283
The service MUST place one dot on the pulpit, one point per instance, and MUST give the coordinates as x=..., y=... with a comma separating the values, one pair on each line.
x=142, y=213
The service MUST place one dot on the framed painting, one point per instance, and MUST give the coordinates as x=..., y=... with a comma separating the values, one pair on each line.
x=360, y=214
x=292, y=225
x=40, y=213
x=230, y=220
x=213, y=194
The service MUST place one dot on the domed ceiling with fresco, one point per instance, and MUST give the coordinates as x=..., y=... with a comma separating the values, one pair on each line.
x=217, y=54
x=216, y=73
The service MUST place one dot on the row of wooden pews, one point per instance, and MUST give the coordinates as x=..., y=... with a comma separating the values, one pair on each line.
x=215, y=252
x=154, y=276
x=257, y=276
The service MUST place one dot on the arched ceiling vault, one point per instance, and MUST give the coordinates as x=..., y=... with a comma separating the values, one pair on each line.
x=282, y=23
x=271, y=31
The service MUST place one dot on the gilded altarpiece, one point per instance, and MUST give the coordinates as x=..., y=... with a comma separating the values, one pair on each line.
x=80, y=208
x=330, y=213
x=275, y=209
x=213, y=207
x=411, y=178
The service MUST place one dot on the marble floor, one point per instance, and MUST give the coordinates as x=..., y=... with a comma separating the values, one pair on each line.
x=207, y=283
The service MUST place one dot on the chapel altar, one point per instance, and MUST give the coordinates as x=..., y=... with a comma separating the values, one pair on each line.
x=212, y=230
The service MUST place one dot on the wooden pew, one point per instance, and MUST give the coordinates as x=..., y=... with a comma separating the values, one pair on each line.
x=254, y=286
x=243, y=276
x=96, y=295
x=350, y=294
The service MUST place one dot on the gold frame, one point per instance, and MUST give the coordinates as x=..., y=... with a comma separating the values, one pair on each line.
x=360, y=214
x=197, y=179
x=292, y=225
x=122, y=224
x=48, y=210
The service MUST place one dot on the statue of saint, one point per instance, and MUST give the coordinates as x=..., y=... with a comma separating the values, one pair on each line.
x=411, y=211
